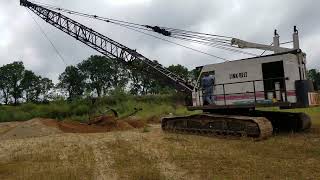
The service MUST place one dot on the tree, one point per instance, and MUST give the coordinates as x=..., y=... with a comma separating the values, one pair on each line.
x=180, y=70
x=140, y=78
x=161, y=86
x=314, y=75
x=146, y=81
x=11, y=77
x=30, y=85
x=35, y=87
x=119, y=74
x=45, y=85
x=4, y=85
x=104, y=73
x=73, y=81
x=194, y=74
x=96, y=69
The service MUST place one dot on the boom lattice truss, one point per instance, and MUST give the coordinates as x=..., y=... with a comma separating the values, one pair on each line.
x=103, y=44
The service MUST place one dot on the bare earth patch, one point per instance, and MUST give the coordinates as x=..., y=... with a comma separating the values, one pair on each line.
x=152, y=154
x=28, y=129
x=39, y=127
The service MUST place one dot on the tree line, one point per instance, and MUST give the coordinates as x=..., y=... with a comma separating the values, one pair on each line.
x=95, y=76
x=98, y=75
x=17, y=83
x=314, y=75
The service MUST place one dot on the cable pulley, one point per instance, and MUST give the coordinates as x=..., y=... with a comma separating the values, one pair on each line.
x=159, y=30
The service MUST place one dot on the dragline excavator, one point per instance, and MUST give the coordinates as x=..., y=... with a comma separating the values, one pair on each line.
x=241, y=86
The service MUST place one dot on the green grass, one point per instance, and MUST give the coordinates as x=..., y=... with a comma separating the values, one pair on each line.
x=153, y=106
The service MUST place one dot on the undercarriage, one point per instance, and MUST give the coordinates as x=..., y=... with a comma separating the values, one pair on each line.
x=255, y=124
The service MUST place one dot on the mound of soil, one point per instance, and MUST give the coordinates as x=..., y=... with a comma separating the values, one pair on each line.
x=44, y=127
x=31, y=128
x=134, y=122
x=75, y=127
x=154, y=120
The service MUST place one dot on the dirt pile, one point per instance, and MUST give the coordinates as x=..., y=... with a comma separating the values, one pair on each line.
x=75, y=127
x=154, y=120
x=31, y=128
x=43, y=127
x=135, y=122
x=100, y=124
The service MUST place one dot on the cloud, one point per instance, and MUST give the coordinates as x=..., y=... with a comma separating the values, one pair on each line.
x=250, y=20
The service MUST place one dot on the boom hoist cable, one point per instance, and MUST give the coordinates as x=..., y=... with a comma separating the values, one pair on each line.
x=193, y=49
x=47, y=37
x=128, y=25
x=210, y=40
x=105, y=45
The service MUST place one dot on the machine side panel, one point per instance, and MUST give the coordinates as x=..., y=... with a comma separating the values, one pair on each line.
x=235, y=84
x=291, y=70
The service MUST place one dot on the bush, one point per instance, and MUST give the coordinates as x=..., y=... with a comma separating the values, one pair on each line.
x=82, y=119
x=5, y=116
x=81, y=109
x=21, y=116
x=59, y=111
x=28, y=107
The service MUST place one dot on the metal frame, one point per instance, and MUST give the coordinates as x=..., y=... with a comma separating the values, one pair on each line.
x=244, y=106
x=103, y=44
x=284, y=89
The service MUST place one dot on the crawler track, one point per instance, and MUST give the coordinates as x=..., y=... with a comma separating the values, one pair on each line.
x=220, y=125
x=285, y=121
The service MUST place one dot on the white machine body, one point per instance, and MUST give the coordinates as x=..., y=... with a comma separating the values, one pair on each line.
x=265, y=79
x=277, y=78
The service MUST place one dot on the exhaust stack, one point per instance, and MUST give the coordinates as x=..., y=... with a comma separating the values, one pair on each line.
x=296, y=43
x=276, y=41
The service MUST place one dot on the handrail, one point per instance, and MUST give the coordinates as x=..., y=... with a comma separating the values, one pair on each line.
x=284, y=89
x=284, y=78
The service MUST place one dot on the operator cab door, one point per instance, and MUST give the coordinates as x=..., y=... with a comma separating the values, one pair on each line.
x=273, y=75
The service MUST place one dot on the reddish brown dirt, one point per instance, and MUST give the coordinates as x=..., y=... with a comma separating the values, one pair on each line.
x=73, y=127
x=153, y=120
x=135, y=122
x=101, y=120
x=50, y=122
x=104, y=125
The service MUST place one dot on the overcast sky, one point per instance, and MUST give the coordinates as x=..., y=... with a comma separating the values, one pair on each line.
x=251, y=20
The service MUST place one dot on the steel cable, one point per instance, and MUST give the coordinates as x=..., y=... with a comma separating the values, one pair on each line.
x=211, y=40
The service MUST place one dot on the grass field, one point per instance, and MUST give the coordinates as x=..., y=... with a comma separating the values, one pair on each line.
x=151, y=154
x=80, y=110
